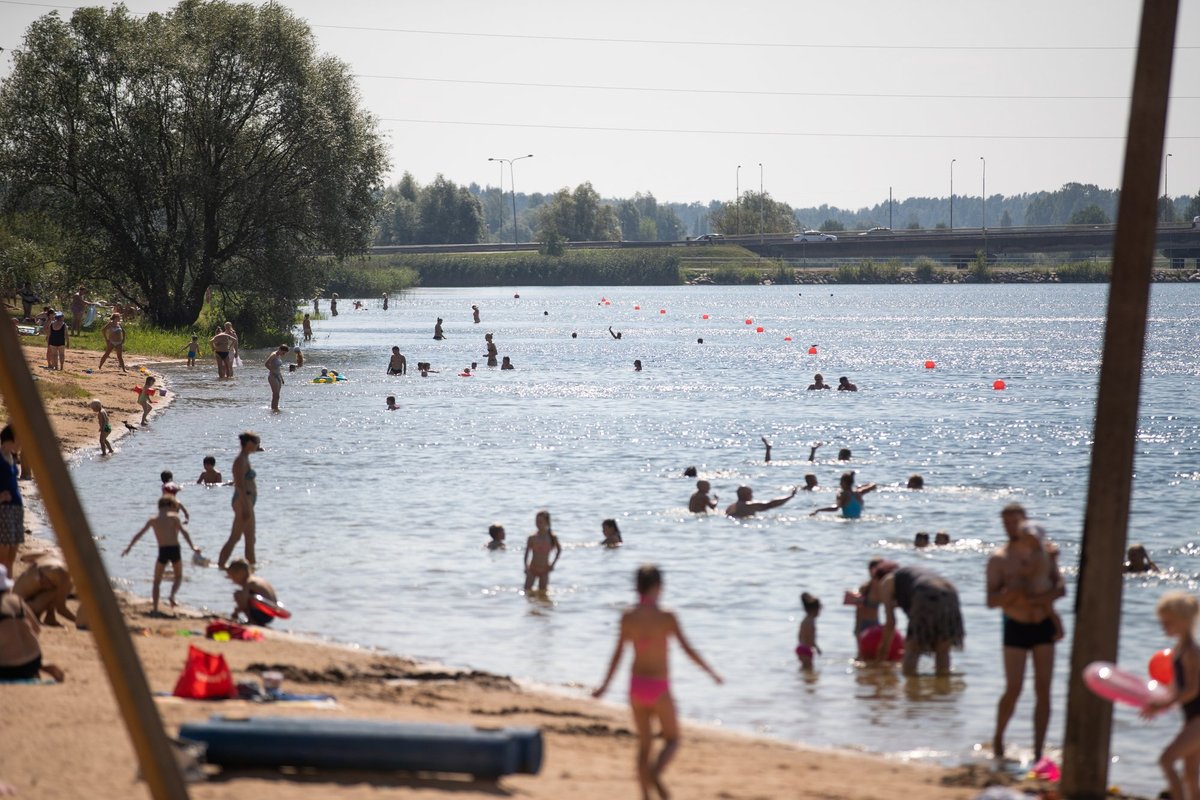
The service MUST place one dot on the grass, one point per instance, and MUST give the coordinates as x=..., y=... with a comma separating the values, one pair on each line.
x=143, y=340
x=630, y=267
x=64, y=390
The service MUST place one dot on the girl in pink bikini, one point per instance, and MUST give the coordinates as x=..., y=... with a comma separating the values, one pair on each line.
x=648, y=628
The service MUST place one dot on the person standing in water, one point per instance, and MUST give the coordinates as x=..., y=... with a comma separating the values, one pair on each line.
x=245, y=493
x=397, y=364
x=649, y=629
x=306, y=326
x=491, y=350
x=475, y=314
x=333, y=304
x=274, y=365
x=934, y=617
x=850, y=498
x=438, y=335
x=232, y=361
x=222, y=347
x=700, y=502
x=385, y=301
x=1177, y=612
x=538, y=564
x=745, y=507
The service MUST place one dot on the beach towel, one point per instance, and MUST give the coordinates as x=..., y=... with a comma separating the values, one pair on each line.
x=205, y=676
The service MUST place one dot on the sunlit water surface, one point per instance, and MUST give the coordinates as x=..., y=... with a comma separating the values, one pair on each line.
x=372, y=524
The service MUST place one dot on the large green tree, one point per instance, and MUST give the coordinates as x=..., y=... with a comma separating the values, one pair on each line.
x=207, y=146
x=756, y=213
x=578, y=216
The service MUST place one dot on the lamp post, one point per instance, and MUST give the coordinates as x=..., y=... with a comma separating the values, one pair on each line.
x=952, y=193
x=737, y=200
x=1167, y=178
x=762, y=210
x=983, y=222
x=889, y=208
x=513, y=182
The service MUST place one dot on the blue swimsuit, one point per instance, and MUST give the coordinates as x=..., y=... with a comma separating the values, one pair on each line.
x=853, y=508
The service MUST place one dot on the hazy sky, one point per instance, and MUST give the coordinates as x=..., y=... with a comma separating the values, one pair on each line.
x=837, y=100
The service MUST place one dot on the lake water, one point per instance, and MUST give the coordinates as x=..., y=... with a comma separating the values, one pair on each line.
x=372, y=524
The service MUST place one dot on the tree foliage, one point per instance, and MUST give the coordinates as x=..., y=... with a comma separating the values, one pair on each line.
x=642, y=219
x=1090, y=215
x=578, y=216
x=207, y=146
x=441, y=213
x=756, y=213
x=831, y=226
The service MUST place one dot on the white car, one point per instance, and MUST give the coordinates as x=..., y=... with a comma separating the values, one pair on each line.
x=814, y=236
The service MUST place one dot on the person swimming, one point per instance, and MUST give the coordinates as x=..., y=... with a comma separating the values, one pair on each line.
x=850, y=498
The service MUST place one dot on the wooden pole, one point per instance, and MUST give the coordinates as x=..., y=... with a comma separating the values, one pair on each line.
x=1105, y=526
x=39, y=447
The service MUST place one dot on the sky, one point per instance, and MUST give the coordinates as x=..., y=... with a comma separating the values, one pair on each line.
x=837, y=101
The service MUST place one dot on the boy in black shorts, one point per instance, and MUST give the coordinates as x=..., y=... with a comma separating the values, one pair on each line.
x=167, y=528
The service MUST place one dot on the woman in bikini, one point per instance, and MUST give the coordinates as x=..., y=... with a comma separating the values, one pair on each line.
x=274, y=366
x=538, y=563
x=245, y=493
x=648, y=628
x=114, y=339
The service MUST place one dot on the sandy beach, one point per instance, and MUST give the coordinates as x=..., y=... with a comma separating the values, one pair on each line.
x=68, y=741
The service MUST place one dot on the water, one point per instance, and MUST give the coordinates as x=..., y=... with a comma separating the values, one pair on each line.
x=372, y=524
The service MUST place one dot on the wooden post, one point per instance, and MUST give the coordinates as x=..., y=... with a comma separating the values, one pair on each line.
x=39, y=447
x=1105, y=526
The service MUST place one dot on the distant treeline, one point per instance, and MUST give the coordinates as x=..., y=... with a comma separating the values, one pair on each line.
x=649, y=267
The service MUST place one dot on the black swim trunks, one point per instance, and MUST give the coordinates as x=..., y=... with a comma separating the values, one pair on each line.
x=22, y=672
x=222, y=354
x=1028, y=635
x=257, y=617
x=170, y=554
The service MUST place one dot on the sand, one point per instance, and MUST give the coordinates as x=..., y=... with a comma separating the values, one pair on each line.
x=67, y=741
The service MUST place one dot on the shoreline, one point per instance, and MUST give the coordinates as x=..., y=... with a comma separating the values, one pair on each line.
x=590, y=745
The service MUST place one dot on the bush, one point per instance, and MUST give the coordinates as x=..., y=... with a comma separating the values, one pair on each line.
x=925, y=270
x=368, y=278
x=980, y=271
x=632, y=267
x=1084, y=272
x=734, y=275
x=867, y=271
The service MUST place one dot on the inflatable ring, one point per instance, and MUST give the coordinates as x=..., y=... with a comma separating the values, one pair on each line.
x=323, y=380
x=868, y=644
x=1118, y=686
x=272, y=608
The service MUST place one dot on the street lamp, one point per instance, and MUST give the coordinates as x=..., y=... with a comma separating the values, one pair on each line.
x=984, y=202
x=737, y=200
x=952, y=192
x=762, y=212
x=513, y=181
x=1167, y=178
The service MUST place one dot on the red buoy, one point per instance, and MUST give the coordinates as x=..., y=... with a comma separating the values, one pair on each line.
x=999, y=385
x=929, y=365
x=812, y=351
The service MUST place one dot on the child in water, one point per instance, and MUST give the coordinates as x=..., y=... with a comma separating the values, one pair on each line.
x=193, y=348
x=167, y=529
x=612, y=534
x=210, y=476
x=307, y=325
x=538, y=564
x=1139, y=560
x=1040, y=571
x=105, y=425
x=496, y=531
x=866, y=608
x=649, y=629
x=144, y=397
x=1177, y=614
x=391, y=403
x=808, y=631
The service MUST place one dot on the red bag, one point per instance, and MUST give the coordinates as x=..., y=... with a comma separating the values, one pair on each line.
x=205, y=676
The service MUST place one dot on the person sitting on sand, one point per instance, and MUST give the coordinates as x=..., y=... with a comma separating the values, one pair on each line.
x=807, y=634
x=844, y=385
x=397, y=364
x=818, y=383
x=249, y=585
x=744, y=507
x=1139, y=560
x=648, y=630
x=700, y=503
x=20, y=653
x=538, y=564
x=45, y=586
x=611, y=533
x=496, y=531
x=210, y=476
x=105, y=426
x=391, y=403
x=850, y=498
x=167, y=529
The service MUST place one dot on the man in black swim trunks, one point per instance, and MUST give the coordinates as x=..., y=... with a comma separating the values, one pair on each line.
x=1023, y=581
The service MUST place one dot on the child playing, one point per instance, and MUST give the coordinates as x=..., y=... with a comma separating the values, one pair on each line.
x=612, y=534
x=1177, y=614
x=700, y=502
x=808, y=630
x=391, y=403
x=105, y=426
x=167, y=528
x=170, y=487
x=538, y=564
x=496, y=531
x=1041, y=572
x=307, y=326
x=649, y=629
x=210, y=476
x=144, y=397
x=193, y=348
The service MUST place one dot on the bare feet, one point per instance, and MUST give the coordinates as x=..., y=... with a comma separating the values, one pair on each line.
x=54, y=672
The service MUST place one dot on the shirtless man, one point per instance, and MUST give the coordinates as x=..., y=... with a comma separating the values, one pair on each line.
x=818, y=383
x=397, y=364
x=745, y=508
x=45, y=585
x=222, y=346
x=1023, y=581
x=700, y=503
x=249, y=585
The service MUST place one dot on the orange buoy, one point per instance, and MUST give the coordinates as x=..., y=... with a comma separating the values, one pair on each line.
x=787, y=338
x=999, y=385
x=637, y=308
x=749, y=321
x=704, y=316
x=812, y=351
x=759, y=329
x=662, y=311
x=929, y=365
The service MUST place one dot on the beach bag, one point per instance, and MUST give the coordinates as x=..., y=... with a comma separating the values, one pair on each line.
x=205, y=676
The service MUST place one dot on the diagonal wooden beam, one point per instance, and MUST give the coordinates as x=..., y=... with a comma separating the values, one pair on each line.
x=1106, y=522
x=39, y=448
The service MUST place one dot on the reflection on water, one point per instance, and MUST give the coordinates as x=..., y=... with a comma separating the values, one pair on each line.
x=373, y=524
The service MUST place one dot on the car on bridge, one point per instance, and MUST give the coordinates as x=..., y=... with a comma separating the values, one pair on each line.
x=875, y=231
x=709, y=238
x=814, y=236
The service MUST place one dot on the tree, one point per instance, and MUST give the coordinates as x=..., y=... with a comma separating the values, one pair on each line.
x=449, y=214
x=1091, y=215
x=1166, y=210
x=399, y=215
x=831, y=226
x=755, y=214
x=1193, y=208
x=578, y=216
x=1006, y=219
x=643, y=219
x=207, y=146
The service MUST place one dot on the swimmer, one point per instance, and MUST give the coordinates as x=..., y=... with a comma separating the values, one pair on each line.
x=306, y=324
x=105, y=425
x=699, y=341
x=397, y=364
x=466, y=373
x=612, y=534
x=767, y=455
x=614, y=334
x=574, y=335
x=850, y=498
x=1139, y=560
x=496, y=531
x=385, y=301
x=144, y=398
x=506, y=364
x=391, y=403
x=649, y=629
x=475, y=314
x=812, y=451
x=210, y=476
x=437, y=330
x=808, y=631
x=689, y=472
x=299, y=359
x=941, y=539
x=921, y=540
x=810, y=482
x=167, y=529
x=915, y=482
x=700, y=503
x=491, y=349
x=844, y=385
x=818, y=383
x=538, y=564
x=844, y=454
x=637, y=365
x=744, y=507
